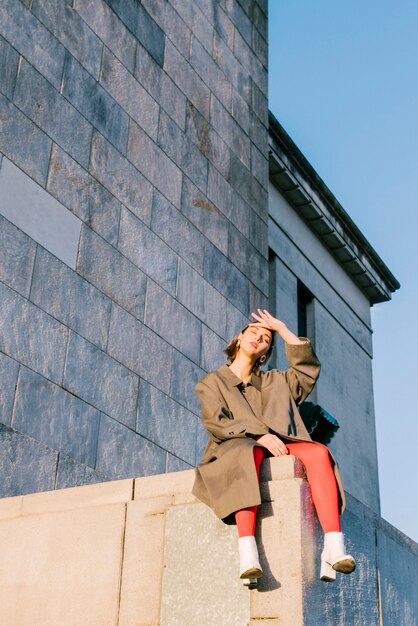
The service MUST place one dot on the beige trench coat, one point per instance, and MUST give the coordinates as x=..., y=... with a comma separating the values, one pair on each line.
x=227, y=480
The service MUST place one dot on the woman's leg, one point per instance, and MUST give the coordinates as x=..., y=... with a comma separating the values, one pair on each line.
x=246, y=518
x=321, y=478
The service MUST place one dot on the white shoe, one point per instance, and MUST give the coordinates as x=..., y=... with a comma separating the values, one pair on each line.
x=334, y=557
x=249, y=564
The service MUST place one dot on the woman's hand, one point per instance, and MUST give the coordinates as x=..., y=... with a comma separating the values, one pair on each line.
x=273, y=444
x=272, y=323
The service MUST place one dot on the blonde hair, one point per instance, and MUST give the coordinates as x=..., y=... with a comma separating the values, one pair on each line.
x=232, y=348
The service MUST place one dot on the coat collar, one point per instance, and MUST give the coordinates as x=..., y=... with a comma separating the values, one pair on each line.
x=228, y=375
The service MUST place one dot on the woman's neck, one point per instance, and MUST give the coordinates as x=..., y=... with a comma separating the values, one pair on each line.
x=242, y=367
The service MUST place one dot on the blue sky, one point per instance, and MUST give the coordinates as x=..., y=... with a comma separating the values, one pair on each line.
x=344, y=84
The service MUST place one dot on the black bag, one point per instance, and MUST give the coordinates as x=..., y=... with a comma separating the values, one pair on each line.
x=319, y=423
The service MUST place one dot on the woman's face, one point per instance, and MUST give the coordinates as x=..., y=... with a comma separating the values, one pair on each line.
x=255, y=341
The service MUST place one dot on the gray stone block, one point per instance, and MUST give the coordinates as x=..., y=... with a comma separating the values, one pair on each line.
x=259, y=134
x=239, y=212
x=65, y=295
x=68, y=27
x=260, y=47
x=56, y=418
x=141, y=24
x=20, y=139
x=26, y=466
x=235, y=321
x=9, y=61
x=257, y=299
x=232, y=68
x=238, y=16
x=120, y=177
x=177, y=231
x=73, y=474
x=182, y=151
x=83, y=195
x=100, y=380
x=51, y=112
x=247, y=259
x=35, y=211
x=88, y=97
x=212, y=350
x=140, y=349
x=111, y=31
x=159, y=84
x=210, y=73
x=197, y=295
x=241, y=112
x=32, y=40
x=258, y=233
x=260, y=166
x=147, y=251
x=111, y=272
x=219, y=190
x=166, y=422
x=230, y=131
x=204, y=215
x=154, y=164
x=130, y=94
x=196, y=21
x=259, y=104
x=174, y=464
x=173, y=322
x=8, y=376
x=225, y=277
x=207, y=140
x=122, y=453
x=171, y=23
x=17, y=258
x=223, y=25
x=31, y=336
x=250, y=62
x=248, y=187
x=187, y=79
x=184, y=376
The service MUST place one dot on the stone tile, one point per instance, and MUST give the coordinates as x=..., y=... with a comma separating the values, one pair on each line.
x=257, y=300
x=231, y=133
x=111, y=31
x=210, y=73
x=184, y=376
x=147, y=251
x=68, y=27
x=20, y=139
x=207, y=140
x=159, y=84
x=130, y=94
x=182, y=151
x=170, y=22
x=111, y=272
x=196, y=21
x=232, y=68
x=246, y=258
x=38, y=214
x=248, y=187
x=212, y=350
x=123, y=453
x=51, y=112
x=173, y=322
x=258, y=233
x=165, y=422
x=140, y=349
x=260, y=166
x=177, y=231
x=219, y=190
x=204, y=215
x=238, y=16
x=141, y=24
x=32, y=40
x=259, y=135
x=241, y=112
x=65, y=295
x=250, y=62
x=174, y=464
x=221, y=22
x=235, y=321
x=225, y=277
x=9, y=61
x=120, y=177
x=55, y=417
x=83, y=195
x=187, y=79
x=26, y=465
x=259, y=104
x=17, y=257
x=260, y=47
x=88, y=97
x=31, y=336
x=8, y=376
x=197, y=295
x=154, y=164
x=239, y=212
x=98, y=379
x=73, y=474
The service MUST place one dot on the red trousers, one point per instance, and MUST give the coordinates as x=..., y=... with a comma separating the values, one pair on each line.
x=320, y=473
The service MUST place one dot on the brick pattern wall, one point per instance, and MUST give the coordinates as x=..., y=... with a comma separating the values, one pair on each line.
x=133, y=226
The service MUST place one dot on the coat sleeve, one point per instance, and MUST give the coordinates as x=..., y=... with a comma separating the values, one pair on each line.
x=216, y=417
x=303, y=371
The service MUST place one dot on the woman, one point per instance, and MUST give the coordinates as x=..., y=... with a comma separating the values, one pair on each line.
x=250, y=415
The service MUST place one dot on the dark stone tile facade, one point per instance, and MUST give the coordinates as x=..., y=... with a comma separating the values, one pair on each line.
x=147, y=121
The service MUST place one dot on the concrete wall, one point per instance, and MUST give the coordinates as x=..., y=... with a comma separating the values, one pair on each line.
x=144, y=552
x=133, y=226
x=342, y=336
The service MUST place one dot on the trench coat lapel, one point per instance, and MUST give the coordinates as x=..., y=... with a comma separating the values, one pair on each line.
x=239, y=405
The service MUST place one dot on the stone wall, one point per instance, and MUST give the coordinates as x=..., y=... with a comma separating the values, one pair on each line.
x=133, y=226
